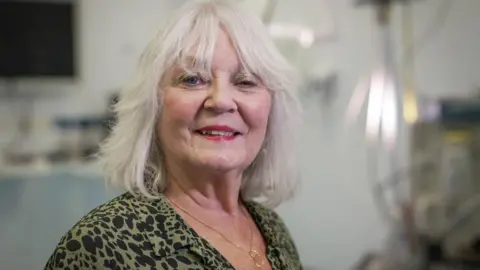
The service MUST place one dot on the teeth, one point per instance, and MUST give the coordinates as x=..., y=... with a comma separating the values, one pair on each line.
x=216, y=133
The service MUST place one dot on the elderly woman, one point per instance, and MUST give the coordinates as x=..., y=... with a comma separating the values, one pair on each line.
x=203, y=145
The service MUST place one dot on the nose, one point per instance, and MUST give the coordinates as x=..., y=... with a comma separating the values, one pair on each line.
x=220, y=97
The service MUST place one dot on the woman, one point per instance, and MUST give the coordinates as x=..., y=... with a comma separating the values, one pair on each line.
x=204, y=131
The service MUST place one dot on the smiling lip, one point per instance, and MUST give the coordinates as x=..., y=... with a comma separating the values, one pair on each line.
x=218, y=133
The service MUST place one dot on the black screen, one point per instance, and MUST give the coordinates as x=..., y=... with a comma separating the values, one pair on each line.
x=36, y=39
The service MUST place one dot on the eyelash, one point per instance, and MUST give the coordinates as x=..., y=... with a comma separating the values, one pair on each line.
x=184, y=77
x=245, y=83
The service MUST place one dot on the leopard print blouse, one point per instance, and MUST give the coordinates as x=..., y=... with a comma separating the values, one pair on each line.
x=136, y=233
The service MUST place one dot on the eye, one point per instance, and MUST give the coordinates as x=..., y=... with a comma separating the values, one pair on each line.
x=190, y=80
x=245, y=81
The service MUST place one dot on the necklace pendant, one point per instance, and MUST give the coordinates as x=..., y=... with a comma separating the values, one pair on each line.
x=259, y=262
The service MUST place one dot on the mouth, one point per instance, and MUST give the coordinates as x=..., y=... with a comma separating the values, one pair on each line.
x=218, y=134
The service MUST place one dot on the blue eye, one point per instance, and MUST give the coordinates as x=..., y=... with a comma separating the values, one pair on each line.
x=191, y=80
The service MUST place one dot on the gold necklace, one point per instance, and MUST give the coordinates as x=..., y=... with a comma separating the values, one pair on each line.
x=259, y=262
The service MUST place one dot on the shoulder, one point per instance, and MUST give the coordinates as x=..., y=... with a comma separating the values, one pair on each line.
x=105, y=237
x=264, y=215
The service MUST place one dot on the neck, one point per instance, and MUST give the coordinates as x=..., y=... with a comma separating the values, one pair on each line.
x=219, y=192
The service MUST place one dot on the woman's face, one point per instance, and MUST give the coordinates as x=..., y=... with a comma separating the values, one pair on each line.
x=216, y=122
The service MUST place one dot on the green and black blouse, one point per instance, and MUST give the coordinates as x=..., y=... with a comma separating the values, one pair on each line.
x=136, y=233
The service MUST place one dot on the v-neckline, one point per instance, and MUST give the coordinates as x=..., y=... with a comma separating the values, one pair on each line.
x=201, y=240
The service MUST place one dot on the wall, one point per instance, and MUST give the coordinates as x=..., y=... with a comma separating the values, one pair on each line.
x=333, y=220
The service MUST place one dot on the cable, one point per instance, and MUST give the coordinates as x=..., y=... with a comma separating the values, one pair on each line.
x=443, y=10
x=412, y=47
x=438, y=21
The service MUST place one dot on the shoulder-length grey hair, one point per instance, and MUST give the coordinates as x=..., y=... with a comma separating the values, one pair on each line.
x=132, y=156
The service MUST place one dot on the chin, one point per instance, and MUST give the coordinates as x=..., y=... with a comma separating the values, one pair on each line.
x=222, y=163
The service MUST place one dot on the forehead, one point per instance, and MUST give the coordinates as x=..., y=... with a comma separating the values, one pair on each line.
x=220, y=54
x=225, y=55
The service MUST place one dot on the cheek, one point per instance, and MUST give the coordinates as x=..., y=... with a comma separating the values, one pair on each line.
x=256, y=114
x=175, y=106
x=177, y=113
x=258, y=111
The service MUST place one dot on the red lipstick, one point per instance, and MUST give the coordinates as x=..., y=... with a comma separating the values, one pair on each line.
x=218, y=133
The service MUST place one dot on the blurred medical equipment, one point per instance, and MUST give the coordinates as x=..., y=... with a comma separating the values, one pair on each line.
x=305, y=34
x=432, y=206
x=445, y=189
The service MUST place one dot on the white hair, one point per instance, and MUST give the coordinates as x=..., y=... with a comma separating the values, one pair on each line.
x=131, y=155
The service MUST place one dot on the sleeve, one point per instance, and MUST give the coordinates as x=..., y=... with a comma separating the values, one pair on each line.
x=71, y=253
x=63, y=259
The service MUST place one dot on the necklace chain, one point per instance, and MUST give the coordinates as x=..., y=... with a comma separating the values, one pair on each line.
x=259, y=262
